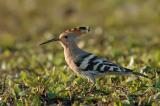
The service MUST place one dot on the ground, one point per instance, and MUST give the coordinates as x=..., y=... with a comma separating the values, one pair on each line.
x=125, y=32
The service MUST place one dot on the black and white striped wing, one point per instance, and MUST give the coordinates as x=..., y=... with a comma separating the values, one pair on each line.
x=90, y=62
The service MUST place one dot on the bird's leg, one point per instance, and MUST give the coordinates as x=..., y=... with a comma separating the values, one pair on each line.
x=92, y=82
x=93, y=88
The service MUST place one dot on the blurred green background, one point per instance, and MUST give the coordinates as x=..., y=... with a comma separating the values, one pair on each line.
x=27, y=19
x=124, y=31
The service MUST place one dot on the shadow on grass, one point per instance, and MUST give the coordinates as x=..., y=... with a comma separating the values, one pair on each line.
x=51, y=98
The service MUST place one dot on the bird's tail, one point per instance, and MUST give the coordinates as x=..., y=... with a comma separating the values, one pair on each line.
x=136, y=73
x=140, y=74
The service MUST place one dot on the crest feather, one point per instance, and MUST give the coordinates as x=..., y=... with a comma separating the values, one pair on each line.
x=79, y=30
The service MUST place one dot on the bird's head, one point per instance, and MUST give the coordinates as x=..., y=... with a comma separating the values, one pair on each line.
x=69, y=36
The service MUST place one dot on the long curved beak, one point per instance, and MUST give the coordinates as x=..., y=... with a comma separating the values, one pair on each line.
x=51, y=40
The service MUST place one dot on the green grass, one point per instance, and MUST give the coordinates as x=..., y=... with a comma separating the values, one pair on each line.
x=125, y=32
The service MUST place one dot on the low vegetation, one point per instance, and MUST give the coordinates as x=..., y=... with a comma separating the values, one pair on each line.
x=126, y=33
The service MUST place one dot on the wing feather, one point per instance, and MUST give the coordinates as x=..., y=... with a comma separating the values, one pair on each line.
x=97, y=65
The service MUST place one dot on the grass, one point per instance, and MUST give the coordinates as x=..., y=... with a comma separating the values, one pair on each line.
x=125, y=32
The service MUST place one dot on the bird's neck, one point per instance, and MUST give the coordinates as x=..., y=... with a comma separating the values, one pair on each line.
x=71, y=52
x=72, y=48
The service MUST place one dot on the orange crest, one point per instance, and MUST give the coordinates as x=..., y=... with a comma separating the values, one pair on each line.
x=79, y=30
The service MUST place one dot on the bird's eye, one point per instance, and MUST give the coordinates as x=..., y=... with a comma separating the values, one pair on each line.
x=65, y=36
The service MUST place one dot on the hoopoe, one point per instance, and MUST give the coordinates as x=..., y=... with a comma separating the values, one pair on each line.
x=84, y=63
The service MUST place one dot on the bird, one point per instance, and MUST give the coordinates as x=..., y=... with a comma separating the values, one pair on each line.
x=86, y=64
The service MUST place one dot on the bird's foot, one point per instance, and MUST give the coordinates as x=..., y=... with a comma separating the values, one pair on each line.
x=92, y=89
